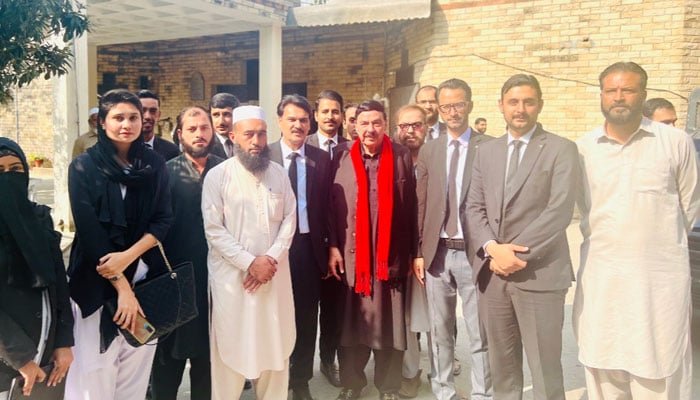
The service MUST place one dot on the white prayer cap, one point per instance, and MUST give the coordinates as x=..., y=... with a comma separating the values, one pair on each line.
x=247, y=112
x=93, y=110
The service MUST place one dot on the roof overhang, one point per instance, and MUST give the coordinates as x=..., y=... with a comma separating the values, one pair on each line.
x=131, y=21
x=341, y=12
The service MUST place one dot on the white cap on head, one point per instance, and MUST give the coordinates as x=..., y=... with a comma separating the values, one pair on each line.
x=247, y=112
x=93, y=110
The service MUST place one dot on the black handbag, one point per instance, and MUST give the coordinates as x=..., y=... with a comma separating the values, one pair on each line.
x=168, y=300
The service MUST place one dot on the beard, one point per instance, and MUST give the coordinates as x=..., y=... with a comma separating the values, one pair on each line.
x=196, y=152
x=633, y=113
x=253, y=162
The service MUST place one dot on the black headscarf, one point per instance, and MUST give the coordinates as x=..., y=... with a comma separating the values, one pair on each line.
x=18, y=217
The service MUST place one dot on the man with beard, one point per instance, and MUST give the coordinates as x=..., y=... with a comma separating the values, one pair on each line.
x=372, y=239
x=444, y=174
x=249, y=215
x=480, y=125
x=410, y=128
x=89, y=138
x=151, y=114
x=349, y=121
x=426, y=97
x=221, y=108
x=638, y=202
x=186, y=242
x=519, y=205
x=310, y=174
x=329, y=116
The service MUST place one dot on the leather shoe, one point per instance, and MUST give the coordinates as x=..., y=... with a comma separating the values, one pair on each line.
x=332, y=373
x=409, y=387
x=301, y=393
x=348, y=394
x=388, y=396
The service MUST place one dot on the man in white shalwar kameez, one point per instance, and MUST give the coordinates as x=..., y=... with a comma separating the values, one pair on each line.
x=249, y=213
x=639, y=200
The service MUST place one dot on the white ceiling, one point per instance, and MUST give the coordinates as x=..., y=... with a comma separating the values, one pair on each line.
x=129, y=21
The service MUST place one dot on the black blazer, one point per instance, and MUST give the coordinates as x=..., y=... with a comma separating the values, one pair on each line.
x=318, y=180
x=167, y=150
x=314, y=141
x=217, y=148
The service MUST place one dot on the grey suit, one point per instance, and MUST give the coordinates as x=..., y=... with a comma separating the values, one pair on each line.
x=527, y=306
x=448, y=271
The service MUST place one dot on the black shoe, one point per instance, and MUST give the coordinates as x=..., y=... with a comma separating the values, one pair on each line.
x=348, y=394
x=388, y=396
x=332, y=373
x=247, y=385
x=301, y=393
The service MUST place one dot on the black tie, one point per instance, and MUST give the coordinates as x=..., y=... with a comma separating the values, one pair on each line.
x=229, y=148
x=293, y=171
x=452, y=199
x=149, y=146
x=513, y=164
x=329, y=148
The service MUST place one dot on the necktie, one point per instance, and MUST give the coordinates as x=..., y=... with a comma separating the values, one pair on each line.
x=513, y=164
x=452, y=212
x=293, y=171
x=149, y=146
x=329, y=149
x=229, y=148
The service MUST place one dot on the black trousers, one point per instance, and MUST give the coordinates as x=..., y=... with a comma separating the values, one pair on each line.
x=387, y=368
x=332, y=292
x=167, y=376
x=306, y=283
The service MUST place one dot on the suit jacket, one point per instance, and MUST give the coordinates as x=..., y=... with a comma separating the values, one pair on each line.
x=343, y=209
x=313, y=140
x=535, y=213
x=318, y=182
x=442, y=130
x=217, y=148
x=166, y=149
x=431, y=175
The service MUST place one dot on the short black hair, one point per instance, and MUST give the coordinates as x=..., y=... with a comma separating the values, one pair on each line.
x=114, y=97
x=147, y=94
x=651, y=105
x=330, y=95
x=224, y=100
x=480, y=119
x=522, y=80
x=625, y=66
x=295, y=99
x=370, y=105
x=453, y=84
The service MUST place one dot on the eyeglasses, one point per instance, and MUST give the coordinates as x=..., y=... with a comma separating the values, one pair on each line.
x=459, y=107
x=415, y=126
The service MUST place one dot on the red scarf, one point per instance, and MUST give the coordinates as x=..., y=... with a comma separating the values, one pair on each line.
x=385, y=185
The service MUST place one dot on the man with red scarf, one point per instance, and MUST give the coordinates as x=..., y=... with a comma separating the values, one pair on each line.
x=372, y=239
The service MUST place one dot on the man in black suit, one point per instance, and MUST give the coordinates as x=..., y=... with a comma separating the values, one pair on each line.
x=519, y=205
x=310, y=174
x=151, y=114
x=426, y=97
x=329, y=115
x=221, y=108
x=444, y=175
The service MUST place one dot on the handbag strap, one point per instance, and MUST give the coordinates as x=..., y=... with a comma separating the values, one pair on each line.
x=165, y=258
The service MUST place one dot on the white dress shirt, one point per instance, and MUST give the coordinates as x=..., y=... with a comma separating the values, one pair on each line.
x=302, y=212
x=464, y=147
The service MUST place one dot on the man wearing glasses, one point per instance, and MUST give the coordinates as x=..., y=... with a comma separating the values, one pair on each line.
x=443, y=177
x=426, y=97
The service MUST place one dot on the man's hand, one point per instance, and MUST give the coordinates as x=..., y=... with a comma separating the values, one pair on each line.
x=31, y=373
x=335, y=262
x=419, y=270
x=251, y=284
x=263, y=268
x=62, y=358
x=503, y=258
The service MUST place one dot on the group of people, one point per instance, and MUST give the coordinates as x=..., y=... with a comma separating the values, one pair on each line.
x=379, y=235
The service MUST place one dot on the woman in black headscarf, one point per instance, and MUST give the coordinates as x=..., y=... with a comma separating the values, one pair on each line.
x=36, y=324
x=121, y=205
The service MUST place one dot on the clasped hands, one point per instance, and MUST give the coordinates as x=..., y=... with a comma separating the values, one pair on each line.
x=260, y=272
x=503, y=260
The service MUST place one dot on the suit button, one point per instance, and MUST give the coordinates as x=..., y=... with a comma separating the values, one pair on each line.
x=497, y=220
x=352, y=250
x=353, y=234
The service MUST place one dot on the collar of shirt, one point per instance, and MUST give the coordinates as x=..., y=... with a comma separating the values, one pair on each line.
x=222, y=139
x=600, y=134
x=150, y=142
x=286, y=151
x=435, y=130
x=463, y=138
x=323, y=139
x=524, y=138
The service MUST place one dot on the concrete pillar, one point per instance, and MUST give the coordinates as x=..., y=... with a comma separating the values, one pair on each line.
x=271, y=76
